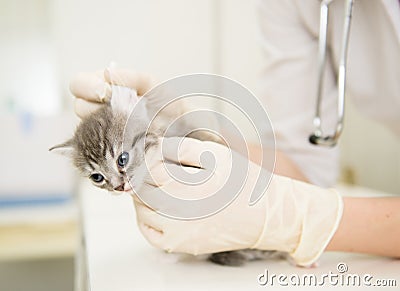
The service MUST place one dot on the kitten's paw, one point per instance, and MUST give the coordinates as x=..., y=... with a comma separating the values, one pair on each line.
x=233, y=258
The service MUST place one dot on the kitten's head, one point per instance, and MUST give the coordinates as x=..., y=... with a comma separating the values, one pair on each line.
x=110, y=156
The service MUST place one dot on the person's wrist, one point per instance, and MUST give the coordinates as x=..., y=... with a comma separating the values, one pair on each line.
x=272, y=237
x=316, y=236
x=300, y=219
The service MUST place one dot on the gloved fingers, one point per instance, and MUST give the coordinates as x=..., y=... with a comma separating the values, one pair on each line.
x=157, y=236
x=149, y=217
x=91, y=87
x=193, y=152
x=154, y=169
x=135, y=200
x=163, y=174
x=141, y=82
x=83, y=108
x=153, y=236
x=185, y=151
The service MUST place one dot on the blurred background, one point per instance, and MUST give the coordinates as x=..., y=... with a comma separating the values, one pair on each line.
x=45, y=42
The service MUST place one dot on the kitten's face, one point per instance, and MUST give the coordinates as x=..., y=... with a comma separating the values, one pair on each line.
x=110, y=160
x=111, y=157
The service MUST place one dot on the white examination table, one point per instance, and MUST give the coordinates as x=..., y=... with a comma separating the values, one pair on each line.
x=115, y=257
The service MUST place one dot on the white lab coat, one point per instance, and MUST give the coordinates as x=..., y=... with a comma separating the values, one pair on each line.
x=289, y=30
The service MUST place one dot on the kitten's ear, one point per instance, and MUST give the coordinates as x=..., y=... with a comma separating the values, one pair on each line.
x=65, y=149
x=124, y=100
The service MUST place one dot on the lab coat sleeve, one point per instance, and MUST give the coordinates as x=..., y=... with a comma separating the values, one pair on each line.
x=289, y=40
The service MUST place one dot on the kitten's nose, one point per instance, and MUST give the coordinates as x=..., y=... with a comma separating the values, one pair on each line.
x=120, y=187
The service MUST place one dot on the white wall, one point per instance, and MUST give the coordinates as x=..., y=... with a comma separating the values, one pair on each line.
x=370, y=152
x=28, y=72
x=166, y=38
x=239, y=51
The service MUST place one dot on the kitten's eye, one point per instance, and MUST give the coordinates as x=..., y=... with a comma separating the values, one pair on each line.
x=123, y=159
x=97, y=178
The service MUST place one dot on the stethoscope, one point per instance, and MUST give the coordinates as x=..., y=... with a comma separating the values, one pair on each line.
x=318, y=137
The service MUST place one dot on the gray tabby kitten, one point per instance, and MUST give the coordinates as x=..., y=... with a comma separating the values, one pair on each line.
x=113, y=159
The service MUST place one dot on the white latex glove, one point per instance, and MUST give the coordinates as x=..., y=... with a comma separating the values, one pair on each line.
x=94, y=88
x=291, y=216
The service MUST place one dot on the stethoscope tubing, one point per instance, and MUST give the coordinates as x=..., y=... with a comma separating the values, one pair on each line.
x=318, y=137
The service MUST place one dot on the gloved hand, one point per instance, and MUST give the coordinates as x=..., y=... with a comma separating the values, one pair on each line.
x=291, y=216
x=94, y=88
